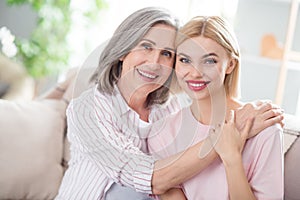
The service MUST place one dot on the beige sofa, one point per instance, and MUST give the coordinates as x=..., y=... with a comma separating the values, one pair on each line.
x=34, y=151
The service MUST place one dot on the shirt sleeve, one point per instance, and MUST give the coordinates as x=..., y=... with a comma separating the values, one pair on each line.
x=92, y=130
x=267, y=179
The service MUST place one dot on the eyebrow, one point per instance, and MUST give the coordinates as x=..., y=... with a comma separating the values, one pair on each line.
x=209, y=54
x=184, y=55
x=152, y=42
x=204, y=56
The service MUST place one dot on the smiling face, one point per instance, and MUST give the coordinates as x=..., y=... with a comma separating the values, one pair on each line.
x=201, y=66
x=149, y=64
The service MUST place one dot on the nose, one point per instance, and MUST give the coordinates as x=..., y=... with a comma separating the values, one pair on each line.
x=155, y=56
x=196, y=71
x=154, y=59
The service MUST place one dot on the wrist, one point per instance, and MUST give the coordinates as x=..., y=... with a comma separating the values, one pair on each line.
x=232, y=159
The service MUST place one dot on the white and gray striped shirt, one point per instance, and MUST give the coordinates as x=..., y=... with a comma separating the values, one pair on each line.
x=108, y=144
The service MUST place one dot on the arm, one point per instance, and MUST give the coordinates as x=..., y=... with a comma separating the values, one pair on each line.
x=238, y=185
x=174, y=193
x=188, y=164
x=266, y=175
x=92, y=129
x=176, y=169
x=229, y=147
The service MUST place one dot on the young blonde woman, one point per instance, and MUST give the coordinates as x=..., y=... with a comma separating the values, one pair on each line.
x=108, y=125
x=207, y=69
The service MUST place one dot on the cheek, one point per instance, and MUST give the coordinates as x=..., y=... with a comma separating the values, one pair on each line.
x=215, y=73
x=180, y=71
x=167, y=63
x=167, y=72
x=133, y=58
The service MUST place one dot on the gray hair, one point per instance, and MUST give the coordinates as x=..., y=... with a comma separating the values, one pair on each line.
x=124, y=39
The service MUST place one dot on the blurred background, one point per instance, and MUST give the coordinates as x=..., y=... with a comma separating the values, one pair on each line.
x=45, y=38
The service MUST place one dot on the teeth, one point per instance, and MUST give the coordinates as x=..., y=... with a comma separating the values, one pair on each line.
x=147, y=75
x=196, y=84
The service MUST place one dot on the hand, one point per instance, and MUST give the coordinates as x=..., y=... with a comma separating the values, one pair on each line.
x=264, y=114
x=230, y=141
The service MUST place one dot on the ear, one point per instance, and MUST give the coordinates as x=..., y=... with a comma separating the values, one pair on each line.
x=231, y=65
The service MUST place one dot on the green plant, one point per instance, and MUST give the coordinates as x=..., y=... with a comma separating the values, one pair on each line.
x=46, y=52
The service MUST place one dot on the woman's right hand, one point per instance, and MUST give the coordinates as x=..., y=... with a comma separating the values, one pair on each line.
x=263, y=113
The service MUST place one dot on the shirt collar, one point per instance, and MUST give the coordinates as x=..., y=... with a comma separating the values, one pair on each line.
x=118, y=100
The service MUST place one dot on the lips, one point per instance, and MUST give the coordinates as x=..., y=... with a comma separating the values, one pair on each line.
x=197, y=85
x=147, y=75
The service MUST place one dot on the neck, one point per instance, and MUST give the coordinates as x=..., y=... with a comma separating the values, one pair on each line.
x=202, y=110
x=137, y=100
x=211, y=110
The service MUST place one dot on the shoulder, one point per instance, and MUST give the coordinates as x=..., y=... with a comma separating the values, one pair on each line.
x=174, y=105
x=272, y=134
x=271, y=131
x=89, y=99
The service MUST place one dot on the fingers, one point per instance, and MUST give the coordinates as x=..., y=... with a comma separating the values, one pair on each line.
x=267, y=106
x=230, y=117
x=247, y=128
x=260, y=102
x=272, y=113
x=274, y=120
x=264, y=107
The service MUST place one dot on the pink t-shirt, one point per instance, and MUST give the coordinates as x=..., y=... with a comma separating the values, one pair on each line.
x=262, y=158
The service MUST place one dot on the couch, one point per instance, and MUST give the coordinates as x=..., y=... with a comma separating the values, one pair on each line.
x=34, y=151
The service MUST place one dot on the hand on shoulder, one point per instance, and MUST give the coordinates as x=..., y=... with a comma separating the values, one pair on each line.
x=263, y=113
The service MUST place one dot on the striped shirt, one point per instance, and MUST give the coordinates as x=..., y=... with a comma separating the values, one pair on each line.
x=108, y=144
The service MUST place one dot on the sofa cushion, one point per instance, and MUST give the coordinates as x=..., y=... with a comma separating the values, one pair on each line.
x=31, y=148
x=292, y=157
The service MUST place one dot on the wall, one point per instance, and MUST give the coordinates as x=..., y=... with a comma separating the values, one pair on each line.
x=259, y=75
x=19, y=20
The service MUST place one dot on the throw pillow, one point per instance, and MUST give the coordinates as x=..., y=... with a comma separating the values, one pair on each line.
x=31, y=148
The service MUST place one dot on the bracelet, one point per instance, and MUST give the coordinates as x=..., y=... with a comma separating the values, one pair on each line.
x=59, y=89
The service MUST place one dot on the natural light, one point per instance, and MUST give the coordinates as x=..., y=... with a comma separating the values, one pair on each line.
x=83, y=40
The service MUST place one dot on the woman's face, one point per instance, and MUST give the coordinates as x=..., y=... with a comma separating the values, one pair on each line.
x=149, y=64
x=201, y=66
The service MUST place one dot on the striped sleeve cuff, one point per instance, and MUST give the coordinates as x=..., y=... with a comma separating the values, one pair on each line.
x=143, y=175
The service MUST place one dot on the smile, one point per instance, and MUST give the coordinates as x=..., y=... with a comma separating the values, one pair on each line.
x=147, y=74
x=197, y=85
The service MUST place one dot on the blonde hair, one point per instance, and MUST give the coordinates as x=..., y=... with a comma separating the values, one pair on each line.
x=217, y=29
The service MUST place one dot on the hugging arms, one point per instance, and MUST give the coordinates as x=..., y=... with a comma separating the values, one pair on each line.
x=108, y=124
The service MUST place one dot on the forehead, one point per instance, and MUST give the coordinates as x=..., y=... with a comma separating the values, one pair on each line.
x=199, y=46
x=162, y=35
